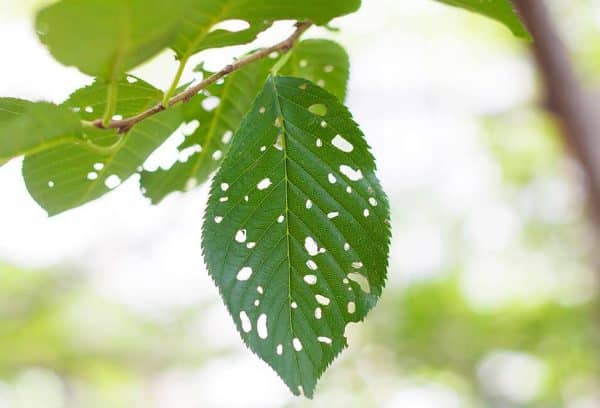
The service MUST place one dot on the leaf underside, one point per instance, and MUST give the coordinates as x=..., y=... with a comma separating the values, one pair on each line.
x=499, y=10
x=321, y=61
x=27, y=127
x=69, y=175
x=200, y=30
x=106, y=38
x=296, y=232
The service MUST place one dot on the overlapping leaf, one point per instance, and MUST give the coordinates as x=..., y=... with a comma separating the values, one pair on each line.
x=296, y=232
x=27, y=127
x=69, y=175
x=500, y=10
x=105, y=38
x=322, y=61
x=198, y=30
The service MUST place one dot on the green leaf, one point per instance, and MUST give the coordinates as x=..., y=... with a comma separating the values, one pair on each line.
x=70, y=175
x=105, y=38
x=322, y=61
x=27, y=127
x=500, y=10
x=200, y=30
x=296, y=233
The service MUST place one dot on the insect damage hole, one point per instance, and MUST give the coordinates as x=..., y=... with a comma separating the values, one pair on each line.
x=342, y=144
x=354, y=175
x=322, y=300
x=279, y=349
x=351, y=307
x=240, y=236
x=311, y=246
x=318, y=313
x=312, y=265
x=246, y=323
x=244, y=274
x=310, y=279
x=325, y=340
x=261, y=326
x=297, y=344
x=264, y=184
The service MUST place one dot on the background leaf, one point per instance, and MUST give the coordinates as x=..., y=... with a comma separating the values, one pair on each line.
x=105, y=38
x=27, y=127
x=296, y=232
x=322, y=61
x=69, y=175
x=201, y=31
x=500, y=10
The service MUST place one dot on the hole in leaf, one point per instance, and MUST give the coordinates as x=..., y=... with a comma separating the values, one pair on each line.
x=354, y=175
x=328, y=68
x=240, y=236
x=366, y=212
x=218, y=219
x=318, y=109
x=260, y=290
x=297, y=344
x=346, y=246
x=92, y=175
x=223, y=199
x=262, y=110
x=117, y=117
x=131, y=79
x=98, y=166
x=310, y=279
x=351, y=307
x=279, y=349
x=89, y=109
x=331, y=178
x=324, y=339
x=303, y=63
x=263, y=148
x=362, y=281
x=189, y=128
x=261, y=326
x=349, y=190
x=333, y=215
x=233, y=26
x=342, y=144
x=224, y=186
x=311, y=246
x=251, y=245
x=318, y=313
x=112, y=181
x=246, y=323
x=322, y=300
x=217, y=155
x=373, y=201
x=244, y=274
x=51, y=184
x=312, y=265
x=323, y=124
x=264, y=184
x=357, y=265
x=319, y=143
x=280, y=219
x=321, y=83
x=227, y=137
x=210, y=103
x=279, y=142
x=294, y=305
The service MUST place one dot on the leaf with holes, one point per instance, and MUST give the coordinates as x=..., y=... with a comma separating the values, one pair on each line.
x=296, y=233
x=206, y=23
x=70, y=175
x=27, y=127
x=105, y=38
x=219, y=112
x=499, y=10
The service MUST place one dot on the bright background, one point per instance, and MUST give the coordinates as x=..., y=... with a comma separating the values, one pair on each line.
x=492, y=299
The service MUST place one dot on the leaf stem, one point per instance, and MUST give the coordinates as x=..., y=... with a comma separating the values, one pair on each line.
x=175, y=83
x=283, y=47
x=111, y=104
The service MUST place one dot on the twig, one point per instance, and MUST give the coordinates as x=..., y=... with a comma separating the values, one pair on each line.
x=124, y=125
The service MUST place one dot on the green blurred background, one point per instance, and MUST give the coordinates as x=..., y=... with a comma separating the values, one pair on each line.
x=493, y=293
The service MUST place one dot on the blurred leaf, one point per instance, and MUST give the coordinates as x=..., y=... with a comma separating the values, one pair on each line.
x=500, y=10
x=198, y=31
x=27, y=127
x=296, y=232
x=105, y=38
x=70, y=175
x=322, y=61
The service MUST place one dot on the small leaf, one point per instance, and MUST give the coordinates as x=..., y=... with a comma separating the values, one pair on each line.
x=105, y=38
x=202, y=28
x=70, y=175
x=321, y=61
x=499, y=10
x=27, y=127
x=296, y=232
